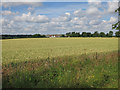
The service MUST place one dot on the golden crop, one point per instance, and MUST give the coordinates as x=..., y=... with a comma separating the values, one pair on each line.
x=39, y=48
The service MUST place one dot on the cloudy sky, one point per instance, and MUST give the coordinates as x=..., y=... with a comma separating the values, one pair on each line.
x=57, y=17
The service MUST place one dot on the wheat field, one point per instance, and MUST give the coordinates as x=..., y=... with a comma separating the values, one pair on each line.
x=60, y=63
x=40, y=48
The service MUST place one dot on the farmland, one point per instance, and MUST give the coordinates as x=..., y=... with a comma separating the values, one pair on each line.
x=60, y=62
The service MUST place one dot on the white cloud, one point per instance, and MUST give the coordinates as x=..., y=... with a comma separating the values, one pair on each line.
x=94, y=22
x=8, y=13
x=22, y=0
x=104, y=21
x=30, y=18
x=80, y=20
x=12, y=4
x=95, y=3
x=113, y=20
x=4, y=21
x=112, y=6
x=76, y=18
x=30, y=8
x=54, y=24
x=64, y=18
x=79, y=13
x=67, y=13
x=93, y=11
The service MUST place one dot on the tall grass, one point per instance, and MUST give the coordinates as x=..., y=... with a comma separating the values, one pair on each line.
x=84, y=71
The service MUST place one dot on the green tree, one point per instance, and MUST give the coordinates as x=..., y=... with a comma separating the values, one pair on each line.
x=117, y=34
x=84, y=34
x=68, y=34
x=77, y=34
x=110, y=34
x=36, y=36
x=73, y=34
x=43, y=36
x=62, y=35
x=96, y=34
x=89, y=34
x=102, y=34
x=117, y=25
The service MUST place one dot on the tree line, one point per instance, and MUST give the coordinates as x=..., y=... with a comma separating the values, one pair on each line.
x=69, y=34
x=21, y=36
x=89, y=34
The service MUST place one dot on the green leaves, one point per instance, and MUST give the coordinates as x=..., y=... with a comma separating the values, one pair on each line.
x=117, y=25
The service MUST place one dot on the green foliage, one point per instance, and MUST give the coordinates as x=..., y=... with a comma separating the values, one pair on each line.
x=118, y=10
x=96, y=34
x=36, y=36
x=110, y=34
x=89, y=34
x=117, y=25
x=117, y=34
x=84, y=71
x=21, y=36
x=102, y=34
x=62, y=35
x=84, y=34
x=73, y=34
